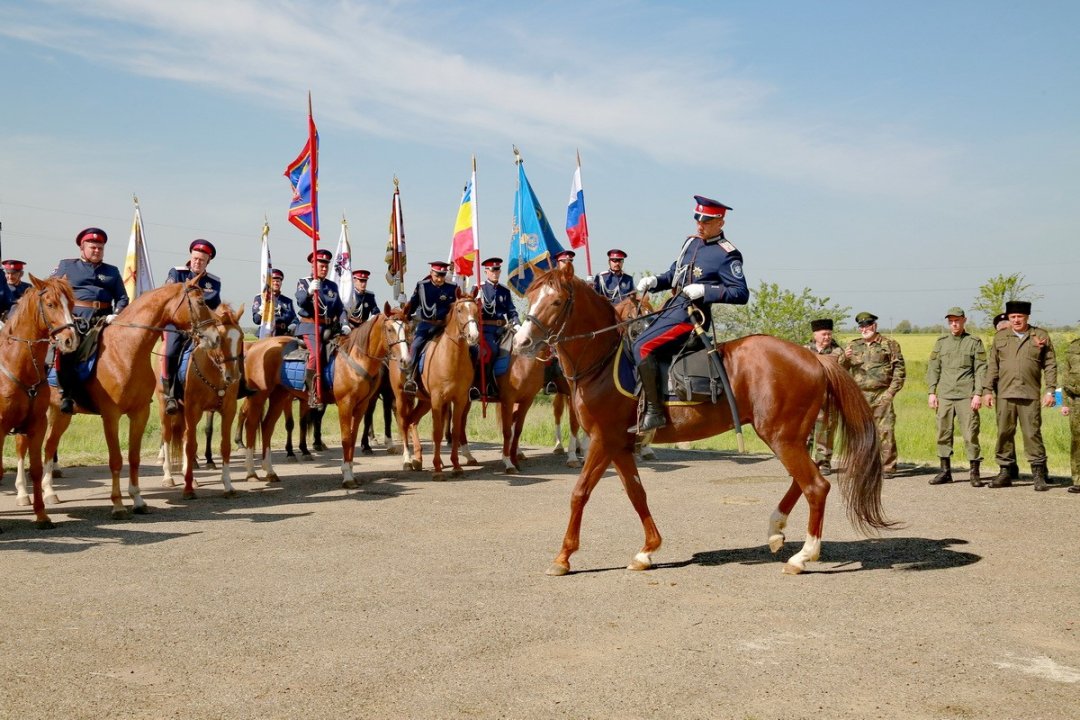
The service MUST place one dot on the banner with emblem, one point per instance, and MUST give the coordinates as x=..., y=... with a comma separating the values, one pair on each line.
x=303, y=174
x=532, y=245
x=341, y=270
x=138, y=276
x=395, y=245
x=269, y=309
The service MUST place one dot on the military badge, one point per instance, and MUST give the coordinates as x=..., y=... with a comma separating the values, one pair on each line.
x=698, y=272
x=727, y=246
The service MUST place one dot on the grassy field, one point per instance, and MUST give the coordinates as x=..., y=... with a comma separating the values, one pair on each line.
x=915, y=432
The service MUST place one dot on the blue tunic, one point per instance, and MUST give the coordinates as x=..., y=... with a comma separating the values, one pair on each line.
x=364, y=306
x=284, y=315
x=431, y=305
x=16, y=291
x=496, y=311
x=209, y=284
x=330, y=311
x=100, y=284
x=714, y=263
x=616, y=287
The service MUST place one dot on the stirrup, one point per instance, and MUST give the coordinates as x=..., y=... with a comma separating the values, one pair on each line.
x=551, y=389
x=474, y=394
x=67, y=405
x=171, y=406
x=409, y=386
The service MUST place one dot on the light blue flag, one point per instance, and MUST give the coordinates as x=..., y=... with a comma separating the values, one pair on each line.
x=533, y=245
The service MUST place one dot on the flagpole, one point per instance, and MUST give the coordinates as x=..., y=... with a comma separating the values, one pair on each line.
x=315, y=242
x=588, y=252
x=479, y=289
x=399, y=276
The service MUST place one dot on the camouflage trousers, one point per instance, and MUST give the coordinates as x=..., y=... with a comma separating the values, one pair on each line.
x=1029, y=415
x=885, y=420
x=1074, y=444
x=959, y=411
x=820, y=444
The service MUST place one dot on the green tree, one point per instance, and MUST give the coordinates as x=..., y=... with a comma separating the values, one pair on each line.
x=773, y=310
x=903, y=328
x=997, y=291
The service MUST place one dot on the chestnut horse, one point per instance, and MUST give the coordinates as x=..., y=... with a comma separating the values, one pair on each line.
x=123, y=379
x=42, y=317
x=779, y=388
x=444, y=388
x=357, y=372
x=210, y=386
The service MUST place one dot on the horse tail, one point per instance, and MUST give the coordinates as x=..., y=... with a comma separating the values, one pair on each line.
x=860, y=477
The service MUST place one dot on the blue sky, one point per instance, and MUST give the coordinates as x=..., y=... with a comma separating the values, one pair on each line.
x=892, y=157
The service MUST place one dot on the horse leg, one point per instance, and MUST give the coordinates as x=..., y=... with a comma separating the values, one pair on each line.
x=241, y=414
x=778, y=519
x=306, y=414
x=387, y=409
x=58, y=423
x=273, y=412
x=316, y=422
x=506, y=419
x=228, y=411
x=111, y=428
x=136, y=428
x=290, y=424
x=596, y=463
x=458, y=413
x=628, y=473
x=437, y=421
x=22, y=498
x=369, y=416
x=191, y=447
x=557, y=403
x=519, y=425
x=34, y=439
x=815, y=488
x=209, y=439
x=251, y=425
x=349, y=423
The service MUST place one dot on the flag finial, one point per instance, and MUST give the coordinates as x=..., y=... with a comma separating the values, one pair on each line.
x=517, y=156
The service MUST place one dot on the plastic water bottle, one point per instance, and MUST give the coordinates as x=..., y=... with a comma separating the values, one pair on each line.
x=1057, y=397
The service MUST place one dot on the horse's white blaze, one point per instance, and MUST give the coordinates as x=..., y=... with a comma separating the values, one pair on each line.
x=810, y=551
x=523, y=337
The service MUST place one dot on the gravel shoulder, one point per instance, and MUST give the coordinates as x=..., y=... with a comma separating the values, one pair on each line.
x=415, y=599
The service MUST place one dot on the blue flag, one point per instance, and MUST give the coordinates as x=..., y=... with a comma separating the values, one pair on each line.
x=533, y=245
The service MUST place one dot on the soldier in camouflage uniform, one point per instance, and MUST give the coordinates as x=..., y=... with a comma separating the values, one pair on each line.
x=821, y=442
x=954, y=379
x=877, y=364
x=1021, y=356
x=1070, y=386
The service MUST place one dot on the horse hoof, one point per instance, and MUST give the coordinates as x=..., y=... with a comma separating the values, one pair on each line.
x=318, y=447
x=211, y=465
x=23, y=501
x=252, y=477
x=52, y=499
x=558, y=450
x=45, y=524
x=168, y=482
x=141, y=509
x=189, y=495
x=438, y=476
x=57, y=472
x=641, y=561
x=648, y=454
x=349, y=484
x=229, y=494
x=510, y=470
x=457, y=472
x=417, y=465
x=573, y=464
x=393, y=450
x=790, y=569
x=366, y=451
x=308, y=457
x=272, y=478
x=775, y=543
x=120, y=514
x=557, y=570
x=291, y=458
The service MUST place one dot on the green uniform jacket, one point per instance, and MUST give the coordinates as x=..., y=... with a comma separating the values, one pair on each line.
x=877, y=365
x=957, y=367
x=833, y=348
x=1015, y=364
x=1070, y=373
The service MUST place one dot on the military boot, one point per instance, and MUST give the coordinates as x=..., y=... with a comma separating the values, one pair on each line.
x=408, y=386
x=67, y=405
x=314, y=401
x=973, y=476
x=1038, y=473
x=945, y=476
x=1005, y=476
x=168, y=387
x=653, y=418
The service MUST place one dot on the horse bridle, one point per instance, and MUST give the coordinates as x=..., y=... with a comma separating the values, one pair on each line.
x=461, y=330
x=32, y=390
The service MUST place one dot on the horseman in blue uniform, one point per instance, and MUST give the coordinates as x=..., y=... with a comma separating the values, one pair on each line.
x=497, y=312
x=709, y=270
x=201, y=252
x=99, y=296
x=613, y=283
x=330, y=311
x=430, y=302
x=284, y=312
x=13, y=272
x=363, y=305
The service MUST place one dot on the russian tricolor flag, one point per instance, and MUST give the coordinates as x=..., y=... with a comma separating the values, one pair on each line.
x=577, y=229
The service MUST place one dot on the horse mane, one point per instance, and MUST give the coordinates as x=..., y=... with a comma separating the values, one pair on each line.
x=226, y=310
x=578, y=289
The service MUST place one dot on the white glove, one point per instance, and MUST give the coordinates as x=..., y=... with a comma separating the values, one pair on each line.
x=314, y=285
x=646, y=284
x=345, y=329
x=589, y=279
x=696, y=291
x=109, y=319
x=402, y=299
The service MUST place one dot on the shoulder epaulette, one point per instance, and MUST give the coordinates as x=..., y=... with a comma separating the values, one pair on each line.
x=212, y=276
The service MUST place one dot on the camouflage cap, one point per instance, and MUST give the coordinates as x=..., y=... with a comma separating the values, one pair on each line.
x=864, y=318
x=955, y=311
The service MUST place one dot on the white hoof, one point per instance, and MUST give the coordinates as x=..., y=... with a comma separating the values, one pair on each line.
x=776, y=542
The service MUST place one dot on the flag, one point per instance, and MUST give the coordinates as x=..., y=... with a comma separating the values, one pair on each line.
x=395, y=245
x=577, y=229
x=341, y=270
x=269, y=311
x=463, y=251
x=532, y=245
x=138, y=277
x=303, y=173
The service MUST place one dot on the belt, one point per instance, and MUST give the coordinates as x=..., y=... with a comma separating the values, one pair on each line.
x=496, y=323
x=94, y=304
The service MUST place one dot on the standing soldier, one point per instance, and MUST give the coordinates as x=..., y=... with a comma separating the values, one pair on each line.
x=1021, y=356
x=13, y=272
x=99, y=296
x=284, y=312
x=877, y=364
x=497, y=311
x=954, y=379
x=1070, y=386
x=613, y=283
x=364, y=305
x=430, y=301
x=201, y=253
x=330, y=311
x=823, y=343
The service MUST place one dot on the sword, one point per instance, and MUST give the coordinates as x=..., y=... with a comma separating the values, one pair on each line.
x=697, y=317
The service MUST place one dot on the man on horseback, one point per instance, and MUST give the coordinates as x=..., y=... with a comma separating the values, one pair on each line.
x=430, y=301
x=330, y=312
x=613, y=283
x=497, y=311
x=364, y=305
x=709, y=270
x=284, y=312
x=13, y=272
x=201, y=252
x=99, y=296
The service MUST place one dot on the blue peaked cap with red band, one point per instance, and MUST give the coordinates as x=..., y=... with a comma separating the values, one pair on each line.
x=708, y=208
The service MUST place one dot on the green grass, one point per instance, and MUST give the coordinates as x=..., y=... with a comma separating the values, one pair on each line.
x=915, y=429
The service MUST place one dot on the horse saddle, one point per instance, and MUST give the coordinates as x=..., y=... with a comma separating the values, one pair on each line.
x=690, y=377
x=84, y=357
x=294, y=356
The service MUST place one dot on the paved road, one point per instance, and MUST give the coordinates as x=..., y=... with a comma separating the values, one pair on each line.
x=415, y=599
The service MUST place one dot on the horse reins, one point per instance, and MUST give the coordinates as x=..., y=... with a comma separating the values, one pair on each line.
x=32, y=390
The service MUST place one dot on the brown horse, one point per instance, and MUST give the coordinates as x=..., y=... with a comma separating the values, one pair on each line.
x=210, y=386
x=517, y=390
x=444, y=388
x=778, y=386
x=42, y=317
x=357, y=373
x=123, y=380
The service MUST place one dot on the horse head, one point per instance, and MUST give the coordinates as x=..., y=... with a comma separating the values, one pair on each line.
x=54, y=302
x=551, y=302
x=228, y=355
x=203, y=322
x=463, y=322
x=396, y=333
